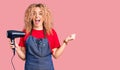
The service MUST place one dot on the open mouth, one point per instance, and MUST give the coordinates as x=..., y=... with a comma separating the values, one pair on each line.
x=37, y=21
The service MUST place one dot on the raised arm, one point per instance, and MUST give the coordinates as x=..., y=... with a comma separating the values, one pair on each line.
x=58, y=51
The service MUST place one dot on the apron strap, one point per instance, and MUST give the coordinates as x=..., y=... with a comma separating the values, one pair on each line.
x=44, y=31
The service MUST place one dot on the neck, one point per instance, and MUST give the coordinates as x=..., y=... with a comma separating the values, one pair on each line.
x=38, y=28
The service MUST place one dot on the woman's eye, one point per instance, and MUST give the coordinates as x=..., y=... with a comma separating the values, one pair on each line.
x=40, y=13
x=33, y=13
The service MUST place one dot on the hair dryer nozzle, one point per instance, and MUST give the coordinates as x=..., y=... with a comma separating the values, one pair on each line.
x=14, y=34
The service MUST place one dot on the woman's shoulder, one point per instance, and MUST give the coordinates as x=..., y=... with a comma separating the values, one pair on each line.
x=26, y=34
x=53, y=31
x=24, y=30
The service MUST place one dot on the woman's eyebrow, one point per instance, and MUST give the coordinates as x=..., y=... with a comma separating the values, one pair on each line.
x=38, y=11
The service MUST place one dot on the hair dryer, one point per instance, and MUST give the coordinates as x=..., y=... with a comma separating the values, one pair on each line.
x=12, y=34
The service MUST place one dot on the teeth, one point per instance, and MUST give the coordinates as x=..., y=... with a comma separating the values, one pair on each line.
x=37, y=21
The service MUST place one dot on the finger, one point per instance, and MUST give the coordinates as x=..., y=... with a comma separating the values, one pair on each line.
x=12, y=46
x=9, y=41
x=73, y=36
x=69, y=38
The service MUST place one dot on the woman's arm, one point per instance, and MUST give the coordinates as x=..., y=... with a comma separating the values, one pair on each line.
x=20, y=51
x=58, y=51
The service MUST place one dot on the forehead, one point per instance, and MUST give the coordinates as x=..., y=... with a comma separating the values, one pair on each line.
x=37, y=9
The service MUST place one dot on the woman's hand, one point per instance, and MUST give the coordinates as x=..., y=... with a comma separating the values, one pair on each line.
x=69, y=38
x=13, y=45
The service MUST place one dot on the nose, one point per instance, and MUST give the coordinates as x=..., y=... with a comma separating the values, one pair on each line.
x=36, y=15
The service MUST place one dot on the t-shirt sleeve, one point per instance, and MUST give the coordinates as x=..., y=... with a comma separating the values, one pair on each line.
x=56, y=43
x=22, y=42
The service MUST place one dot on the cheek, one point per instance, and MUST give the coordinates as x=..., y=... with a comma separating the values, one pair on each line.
x=42, y=19
x=33, y=17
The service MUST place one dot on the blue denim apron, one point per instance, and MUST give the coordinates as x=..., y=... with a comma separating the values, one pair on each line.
x=38, y=54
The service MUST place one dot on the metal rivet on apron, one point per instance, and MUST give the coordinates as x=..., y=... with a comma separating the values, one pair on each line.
x=43, y=44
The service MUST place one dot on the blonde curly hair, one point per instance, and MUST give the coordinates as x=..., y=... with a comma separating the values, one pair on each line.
x=47, y=23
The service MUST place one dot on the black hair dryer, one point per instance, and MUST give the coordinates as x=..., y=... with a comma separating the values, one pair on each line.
x=12, y=34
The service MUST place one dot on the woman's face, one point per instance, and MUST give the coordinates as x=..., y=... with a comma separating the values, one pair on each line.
x=37, y=17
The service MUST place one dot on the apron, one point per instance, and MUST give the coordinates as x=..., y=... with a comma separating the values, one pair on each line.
x=38, y=54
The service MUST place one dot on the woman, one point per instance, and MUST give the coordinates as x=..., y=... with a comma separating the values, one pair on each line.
x=40, y=41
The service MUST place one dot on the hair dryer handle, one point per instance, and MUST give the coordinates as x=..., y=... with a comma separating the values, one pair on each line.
x=13, y=43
